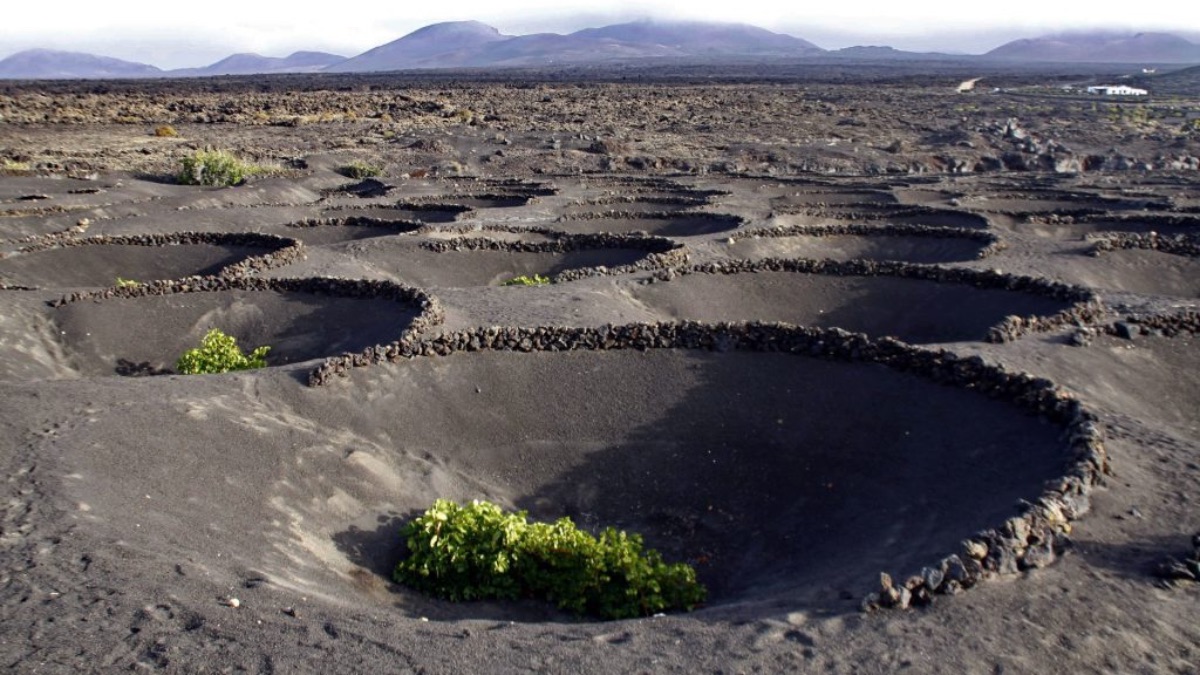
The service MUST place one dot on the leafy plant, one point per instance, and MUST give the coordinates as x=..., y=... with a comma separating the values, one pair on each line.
x=12, y=165
x=127, y=283
x=478, y=551
x=523, y=280
x=219, y=353
x=359, y=170
x=215, y=167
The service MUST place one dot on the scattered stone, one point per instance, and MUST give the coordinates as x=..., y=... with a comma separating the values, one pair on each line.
x=1002, y=559
x=1126, y=331
x=932, y=577
x=1175, y=571
x=1039, y=556
x=975, y=549
x=369, y=188
x=1082, y=337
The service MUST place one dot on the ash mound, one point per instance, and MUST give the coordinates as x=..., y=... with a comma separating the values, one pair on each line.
x=653, y=223
x=934, y=217
x=817, y=198
x=631, y=207
x=330, y=231
x=765, y=470
x=146, y=330
x=850, y=213
x=914, y=244
x=490, y=258
x=421, y=213
x=879, y=300
x=1147, y=272
x=1053, y=202
x=101, y=261
x=1066, y=227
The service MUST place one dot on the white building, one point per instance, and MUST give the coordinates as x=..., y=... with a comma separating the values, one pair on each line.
x=1117, y=90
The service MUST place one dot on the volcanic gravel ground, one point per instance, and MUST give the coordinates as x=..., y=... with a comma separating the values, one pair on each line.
x=155, y=330
x=678, y=225
x=249, y=521
x=408, y=262
x=913, y=310
x=859, y=247
x=102, y=264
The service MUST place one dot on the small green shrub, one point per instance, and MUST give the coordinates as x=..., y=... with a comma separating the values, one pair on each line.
x=478, y=551
x=13, y=166
x=219, y=353
x=215, y=167
x=523, y=280
x=127, y=283
x=359, y=170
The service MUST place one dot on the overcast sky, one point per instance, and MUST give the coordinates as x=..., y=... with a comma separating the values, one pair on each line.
x=183, y=34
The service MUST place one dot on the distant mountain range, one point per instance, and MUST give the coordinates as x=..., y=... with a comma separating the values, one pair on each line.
x=1101, y=48
x=474, y=44
x=252, y=64
x=471, y=44
x=46, y=64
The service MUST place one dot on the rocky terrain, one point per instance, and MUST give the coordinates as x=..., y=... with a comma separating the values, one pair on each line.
x=449, y=127
x=908, y=375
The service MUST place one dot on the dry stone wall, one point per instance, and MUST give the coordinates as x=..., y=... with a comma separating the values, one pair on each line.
x=1178, y=244
x=1084, y=310
x=662, y=253
x=992, y=243
x=286, y=250
x=1034, y=538
x=429, y=309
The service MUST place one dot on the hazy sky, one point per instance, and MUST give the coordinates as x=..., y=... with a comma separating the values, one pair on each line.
x=175, y=34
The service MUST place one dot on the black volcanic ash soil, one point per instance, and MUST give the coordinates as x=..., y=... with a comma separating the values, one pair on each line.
x=913, y=310
x=767, y=471
x=101, y=337
x=865, y=246
x=418, y=265
x=660, y=225
x=100, y=265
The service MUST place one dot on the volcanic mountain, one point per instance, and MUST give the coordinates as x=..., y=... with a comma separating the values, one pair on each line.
x=53, y=64
x=473, y=44
x=441, y=45
x=1098, y=47
x=694, y=38
x=247, y=64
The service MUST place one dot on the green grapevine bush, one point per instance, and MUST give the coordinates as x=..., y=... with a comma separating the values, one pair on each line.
x=523, y=280
x=478, y=551
x=359, y=170
x=215, y=167
x=219, y=353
